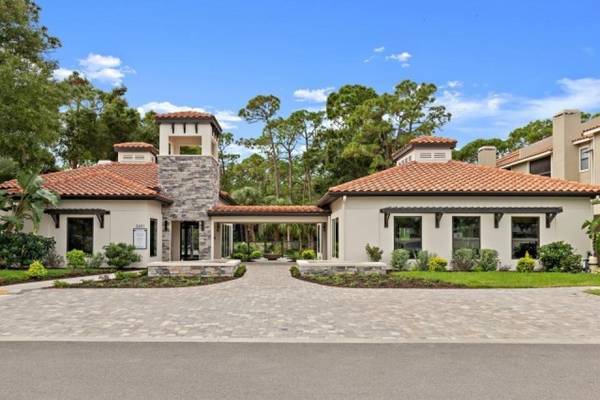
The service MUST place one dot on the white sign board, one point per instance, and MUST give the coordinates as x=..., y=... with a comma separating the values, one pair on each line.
x=140, y=238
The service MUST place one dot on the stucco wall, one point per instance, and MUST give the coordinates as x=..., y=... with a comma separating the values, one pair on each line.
x=125, y=215
x=362, y=223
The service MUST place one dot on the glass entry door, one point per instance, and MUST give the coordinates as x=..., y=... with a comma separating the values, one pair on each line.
x=190, y=240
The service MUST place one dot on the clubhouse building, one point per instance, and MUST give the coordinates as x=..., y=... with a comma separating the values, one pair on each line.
x=169, y=205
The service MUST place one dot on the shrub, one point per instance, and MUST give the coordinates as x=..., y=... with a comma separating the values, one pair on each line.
x=308, y=254
x=241, y=256
x=120, y=255
x=95, y=261
x=373, y=252
x=21, y=249
x=60, y=284
x=242, y=248
x=437, y=264
x=422, y=263
x=292, y=254
x=400, y=259
x=255, y=254
x=37, y=270
x=75, y=259
x=489, y=260
x=464, y=260
x=120, y=275
x=53, y=260
x=295, y=271
x=526, y=264
x=559, y=256
x=239, y=271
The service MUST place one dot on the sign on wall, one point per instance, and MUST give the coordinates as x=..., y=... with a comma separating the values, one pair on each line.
x=140, y=238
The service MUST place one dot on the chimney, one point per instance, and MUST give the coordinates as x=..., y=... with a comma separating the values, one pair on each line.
x=486, y=155
x=566, y=126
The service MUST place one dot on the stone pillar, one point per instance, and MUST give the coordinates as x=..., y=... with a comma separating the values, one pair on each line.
x=193, y=184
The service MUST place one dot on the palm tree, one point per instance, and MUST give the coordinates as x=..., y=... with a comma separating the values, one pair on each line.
x=27, y=204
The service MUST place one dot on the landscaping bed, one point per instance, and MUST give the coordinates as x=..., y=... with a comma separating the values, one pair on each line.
x=443, y=280
x=374, y=280
x=136, y=280
x=595, y=292
x=14, y=276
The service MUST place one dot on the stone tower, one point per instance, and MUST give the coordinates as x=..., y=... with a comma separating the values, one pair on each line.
x=188, y=170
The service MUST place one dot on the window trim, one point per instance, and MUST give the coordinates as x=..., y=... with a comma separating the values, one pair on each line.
x=479, y=237
x=69, y=230
x=420, y=217
x=588, y=150
x=539, y=228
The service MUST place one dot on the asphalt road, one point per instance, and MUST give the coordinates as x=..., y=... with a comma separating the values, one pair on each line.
x=78, y=370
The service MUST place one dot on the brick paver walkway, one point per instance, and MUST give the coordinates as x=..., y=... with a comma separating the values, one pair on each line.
x=268, y=305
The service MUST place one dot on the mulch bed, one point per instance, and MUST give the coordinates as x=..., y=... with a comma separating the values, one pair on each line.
x=147, y=282
x=377, y=281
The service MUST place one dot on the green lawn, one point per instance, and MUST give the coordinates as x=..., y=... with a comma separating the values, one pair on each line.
x=12, y=276
x=505, y=279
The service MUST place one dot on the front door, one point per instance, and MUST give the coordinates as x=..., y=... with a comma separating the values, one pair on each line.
x=190, y=240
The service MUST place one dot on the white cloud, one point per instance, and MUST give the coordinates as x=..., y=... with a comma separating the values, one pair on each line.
x=313, y=95
x=497, y=114
x=96, y=62
x=368, y=60
x=454, y=84
x=226, y=118
x=405, y=65
x=400, y=57
x=60, y=74
x=379, y=49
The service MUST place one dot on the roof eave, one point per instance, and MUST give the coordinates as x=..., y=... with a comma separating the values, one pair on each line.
x=329, y=197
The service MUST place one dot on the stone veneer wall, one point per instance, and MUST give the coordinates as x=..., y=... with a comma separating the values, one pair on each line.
x=193, y=182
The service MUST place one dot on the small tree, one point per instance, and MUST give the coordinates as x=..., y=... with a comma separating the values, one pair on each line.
x=26, y=204
x=592, y=228
x=120, y=255
x=373, y=252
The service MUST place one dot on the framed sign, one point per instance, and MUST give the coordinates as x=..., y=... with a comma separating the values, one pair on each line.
x=140, y=238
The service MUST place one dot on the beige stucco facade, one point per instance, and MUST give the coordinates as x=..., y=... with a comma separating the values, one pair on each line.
x=125, y=215
x=361, y=222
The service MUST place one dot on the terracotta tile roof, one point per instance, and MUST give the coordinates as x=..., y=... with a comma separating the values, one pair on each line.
x=266, y=210
x=534, y=149
x=102, y=181
x=591, y=124
x=183, y=115
x=135, y=146
x=428, y=139
x=455, y=177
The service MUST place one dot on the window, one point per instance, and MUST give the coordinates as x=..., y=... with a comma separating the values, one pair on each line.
x=335, y=233
x=407, y=234
x=172, y=128
x=584, y=158
x=466, y=233
x=153, y=237
x=80, y=234
x=540, y=166
x=525, y=236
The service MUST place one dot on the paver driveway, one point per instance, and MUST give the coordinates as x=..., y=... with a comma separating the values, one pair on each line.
x=268, y=305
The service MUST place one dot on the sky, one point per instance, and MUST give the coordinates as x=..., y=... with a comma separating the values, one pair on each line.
x=497, y=64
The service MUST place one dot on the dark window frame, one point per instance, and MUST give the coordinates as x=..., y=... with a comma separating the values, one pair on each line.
x=414, y=251
x=457, y=217
x=535, y=166
x=512, y=238
x=69, y=231
x=153, y=237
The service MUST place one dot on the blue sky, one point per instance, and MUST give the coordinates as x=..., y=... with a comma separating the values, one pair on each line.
x=498, y=64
